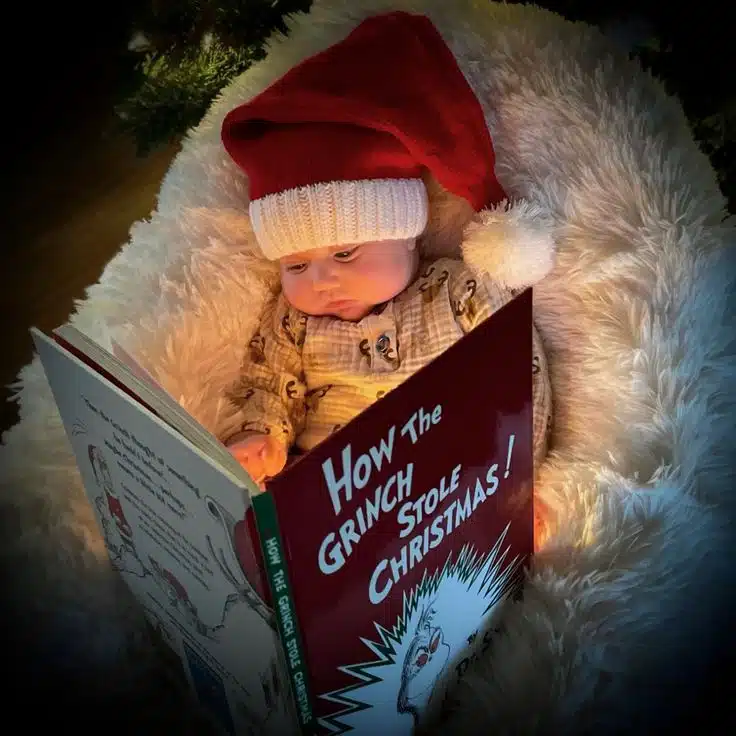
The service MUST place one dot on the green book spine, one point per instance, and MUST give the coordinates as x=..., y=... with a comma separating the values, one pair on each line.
x=283, y=604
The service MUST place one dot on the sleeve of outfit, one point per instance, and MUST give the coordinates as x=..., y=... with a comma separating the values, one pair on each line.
x=270, y=391
x=475, y=298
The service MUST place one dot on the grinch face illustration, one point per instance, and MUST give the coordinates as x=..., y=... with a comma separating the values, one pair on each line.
x=115, y=526
x=99, y=468
x=177, y=595
x=175, y=591
x=234, y=566
x=104, y=481
x=425, y=660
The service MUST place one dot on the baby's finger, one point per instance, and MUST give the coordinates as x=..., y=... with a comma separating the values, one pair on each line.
x=247, y=453
x=272, y=464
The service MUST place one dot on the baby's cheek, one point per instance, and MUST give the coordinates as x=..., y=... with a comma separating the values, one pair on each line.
x=297, y=293
x=290, y=288
x=386, y=283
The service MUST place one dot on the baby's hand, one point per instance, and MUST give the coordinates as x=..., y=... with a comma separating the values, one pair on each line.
x=261, y=455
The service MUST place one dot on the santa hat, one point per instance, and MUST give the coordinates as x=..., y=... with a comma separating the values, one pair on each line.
x=335, y=149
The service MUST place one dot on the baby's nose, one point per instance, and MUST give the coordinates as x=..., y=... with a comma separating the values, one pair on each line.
x=323, y=278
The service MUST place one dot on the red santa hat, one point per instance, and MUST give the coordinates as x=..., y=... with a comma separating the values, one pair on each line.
x=335, y=149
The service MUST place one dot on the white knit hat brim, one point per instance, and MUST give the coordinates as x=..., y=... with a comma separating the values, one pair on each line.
x=339, y=213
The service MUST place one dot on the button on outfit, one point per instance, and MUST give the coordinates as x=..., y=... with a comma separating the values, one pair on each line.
x=382, y=343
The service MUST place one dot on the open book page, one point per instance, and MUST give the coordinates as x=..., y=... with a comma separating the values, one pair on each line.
x=119, y=352
x=170, y=516
x=123, y=367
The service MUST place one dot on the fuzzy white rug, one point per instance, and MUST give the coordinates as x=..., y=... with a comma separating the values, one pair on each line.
x=623, y=605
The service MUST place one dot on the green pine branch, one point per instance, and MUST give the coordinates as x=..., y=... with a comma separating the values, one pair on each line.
x=712, y=116
x=177, y=89
x=191, y=50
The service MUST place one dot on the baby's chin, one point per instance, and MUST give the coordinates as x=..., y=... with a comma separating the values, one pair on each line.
x=349, y=312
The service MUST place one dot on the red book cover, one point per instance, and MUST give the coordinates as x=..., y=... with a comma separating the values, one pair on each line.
x=390, y=547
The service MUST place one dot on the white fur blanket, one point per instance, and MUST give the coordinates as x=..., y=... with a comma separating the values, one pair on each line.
x=623, y=605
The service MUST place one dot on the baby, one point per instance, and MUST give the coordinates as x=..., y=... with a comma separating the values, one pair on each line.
x=336, y=153
x=350, y=324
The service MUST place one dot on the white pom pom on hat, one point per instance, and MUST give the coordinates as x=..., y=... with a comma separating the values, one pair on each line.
x=514, y=244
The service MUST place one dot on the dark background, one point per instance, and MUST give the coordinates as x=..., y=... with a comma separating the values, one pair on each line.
x=73, y=187
x=72, y=184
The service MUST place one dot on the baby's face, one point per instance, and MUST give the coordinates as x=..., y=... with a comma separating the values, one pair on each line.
x=348, y=281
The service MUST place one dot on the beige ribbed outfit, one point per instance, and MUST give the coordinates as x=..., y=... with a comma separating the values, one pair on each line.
x=304, y=377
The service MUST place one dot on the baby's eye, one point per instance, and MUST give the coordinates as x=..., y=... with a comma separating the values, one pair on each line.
x=345, y=255
x=296, y=267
